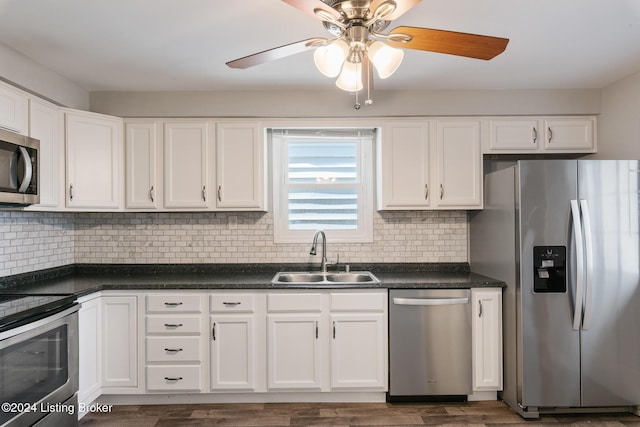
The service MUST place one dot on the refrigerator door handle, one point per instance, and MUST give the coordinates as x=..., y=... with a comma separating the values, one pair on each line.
x=577, y=233
x=588, y=244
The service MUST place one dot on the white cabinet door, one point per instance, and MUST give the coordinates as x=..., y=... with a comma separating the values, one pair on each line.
x=141, y=175
x=294, y=351
x=459, y=164
x=186, y=148
x=44, y=125
x=358, y=351
x=119, y=341
x=240, y=172
x=14, y=109
x=89, y=351
x=404, y=166
x=487, y=339
x=570, y=135
x=232, y=353
x=93, y=160
x=514, y=135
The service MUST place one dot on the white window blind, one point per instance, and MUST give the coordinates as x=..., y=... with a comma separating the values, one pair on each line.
x=325, y=182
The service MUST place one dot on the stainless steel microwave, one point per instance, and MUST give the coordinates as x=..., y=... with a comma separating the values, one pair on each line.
x=19, y=164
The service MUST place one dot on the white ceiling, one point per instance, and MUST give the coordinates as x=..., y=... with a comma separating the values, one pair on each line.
x=166, y=45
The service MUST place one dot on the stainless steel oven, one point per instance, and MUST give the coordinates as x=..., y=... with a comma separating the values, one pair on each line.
x=38, y=361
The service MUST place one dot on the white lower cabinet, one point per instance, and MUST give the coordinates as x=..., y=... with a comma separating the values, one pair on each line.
x=487, y=339
x=89, y=350
x=294, y=351
x=335, y=340
x=119, y=320
x=174, y=349
x=236, y=335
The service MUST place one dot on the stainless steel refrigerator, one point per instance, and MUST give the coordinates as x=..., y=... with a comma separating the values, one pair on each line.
x=564, y=236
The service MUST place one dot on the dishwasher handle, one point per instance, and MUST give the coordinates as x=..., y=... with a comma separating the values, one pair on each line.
x=431, y=301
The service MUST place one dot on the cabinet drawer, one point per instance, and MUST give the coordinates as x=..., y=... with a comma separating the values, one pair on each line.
x=173, y=349
x=173, y=325
x=176, y=378
x=358, y=301
x=174, y=303
x=231, y=303
x=294, y=302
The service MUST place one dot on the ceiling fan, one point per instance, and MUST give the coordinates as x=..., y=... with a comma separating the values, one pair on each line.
x=358, y=41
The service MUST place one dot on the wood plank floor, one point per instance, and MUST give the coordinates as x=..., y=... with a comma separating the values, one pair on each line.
x=339, y=414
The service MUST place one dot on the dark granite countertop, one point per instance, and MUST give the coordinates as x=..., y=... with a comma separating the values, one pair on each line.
x=83, y=279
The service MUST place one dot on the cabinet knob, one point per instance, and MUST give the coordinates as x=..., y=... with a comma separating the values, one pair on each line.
x=172, y=378
x=70, y=191
x=204, y=193
x=219, y=193
x=426, y=191
x=173, y=350
x=549, y=134
x=535, y=134
x=151, y=195
x=441, y=191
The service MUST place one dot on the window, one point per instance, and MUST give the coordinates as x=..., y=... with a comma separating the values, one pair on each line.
x=323, y=179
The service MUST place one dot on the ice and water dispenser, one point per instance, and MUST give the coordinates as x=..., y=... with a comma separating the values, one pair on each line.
x=550, y=269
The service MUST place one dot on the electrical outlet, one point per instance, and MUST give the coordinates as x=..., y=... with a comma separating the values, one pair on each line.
x=233, y=222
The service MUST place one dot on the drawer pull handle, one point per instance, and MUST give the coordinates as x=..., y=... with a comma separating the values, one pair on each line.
x=173, y=350
x=173, y=379
x=231, y=304
x=172, y=325
x=172, y=304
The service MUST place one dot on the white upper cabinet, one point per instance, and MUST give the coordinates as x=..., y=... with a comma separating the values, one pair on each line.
x=541, y=135
x=459, y=164
x=514, y=135
x=404, y=166
x=186, y=164
x=240, y=168
x=94, y=158
x=430, y=164
x=570, y=135
x=44, y=125
x=141, y=158
x=14, y=109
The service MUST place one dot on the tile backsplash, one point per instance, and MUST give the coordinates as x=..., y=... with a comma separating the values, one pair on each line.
x=33, y=241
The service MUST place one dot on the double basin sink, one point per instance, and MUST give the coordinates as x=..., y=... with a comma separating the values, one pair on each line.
x=325, y=279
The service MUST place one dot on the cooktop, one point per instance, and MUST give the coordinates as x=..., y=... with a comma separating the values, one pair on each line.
x=19, y=309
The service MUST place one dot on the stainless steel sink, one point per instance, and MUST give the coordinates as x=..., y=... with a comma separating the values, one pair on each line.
x=320, y=279
x=358, y=277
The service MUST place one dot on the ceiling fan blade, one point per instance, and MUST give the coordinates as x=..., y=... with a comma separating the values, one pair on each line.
x=451, y=42
x=275, y=53
x=309, y=7
x=401, y=7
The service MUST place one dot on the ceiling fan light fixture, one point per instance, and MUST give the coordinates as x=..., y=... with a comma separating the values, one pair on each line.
x=385, y=58
x=329, y=58
x=350, y=78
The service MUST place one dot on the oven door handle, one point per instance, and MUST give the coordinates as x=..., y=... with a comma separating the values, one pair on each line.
x=28, y=170
x=38, y=321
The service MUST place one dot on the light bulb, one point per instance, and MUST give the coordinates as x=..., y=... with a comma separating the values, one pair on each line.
x=350, y=78
x=329, y=58
x=385, y=58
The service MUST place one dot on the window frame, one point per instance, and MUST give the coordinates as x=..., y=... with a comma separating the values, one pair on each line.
x=365, y=188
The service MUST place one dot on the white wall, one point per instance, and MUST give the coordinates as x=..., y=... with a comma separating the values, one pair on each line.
x=21, y=71
x=336, y=103
x=619, y=122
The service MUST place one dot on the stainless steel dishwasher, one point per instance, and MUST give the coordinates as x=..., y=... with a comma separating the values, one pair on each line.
x=429, y=343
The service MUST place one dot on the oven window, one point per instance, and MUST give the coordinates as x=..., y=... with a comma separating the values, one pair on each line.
x=32, y=369
x=8, y=167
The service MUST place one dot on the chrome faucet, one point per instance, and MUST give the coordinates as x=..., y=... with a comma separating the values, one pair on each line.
x=323, y=261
